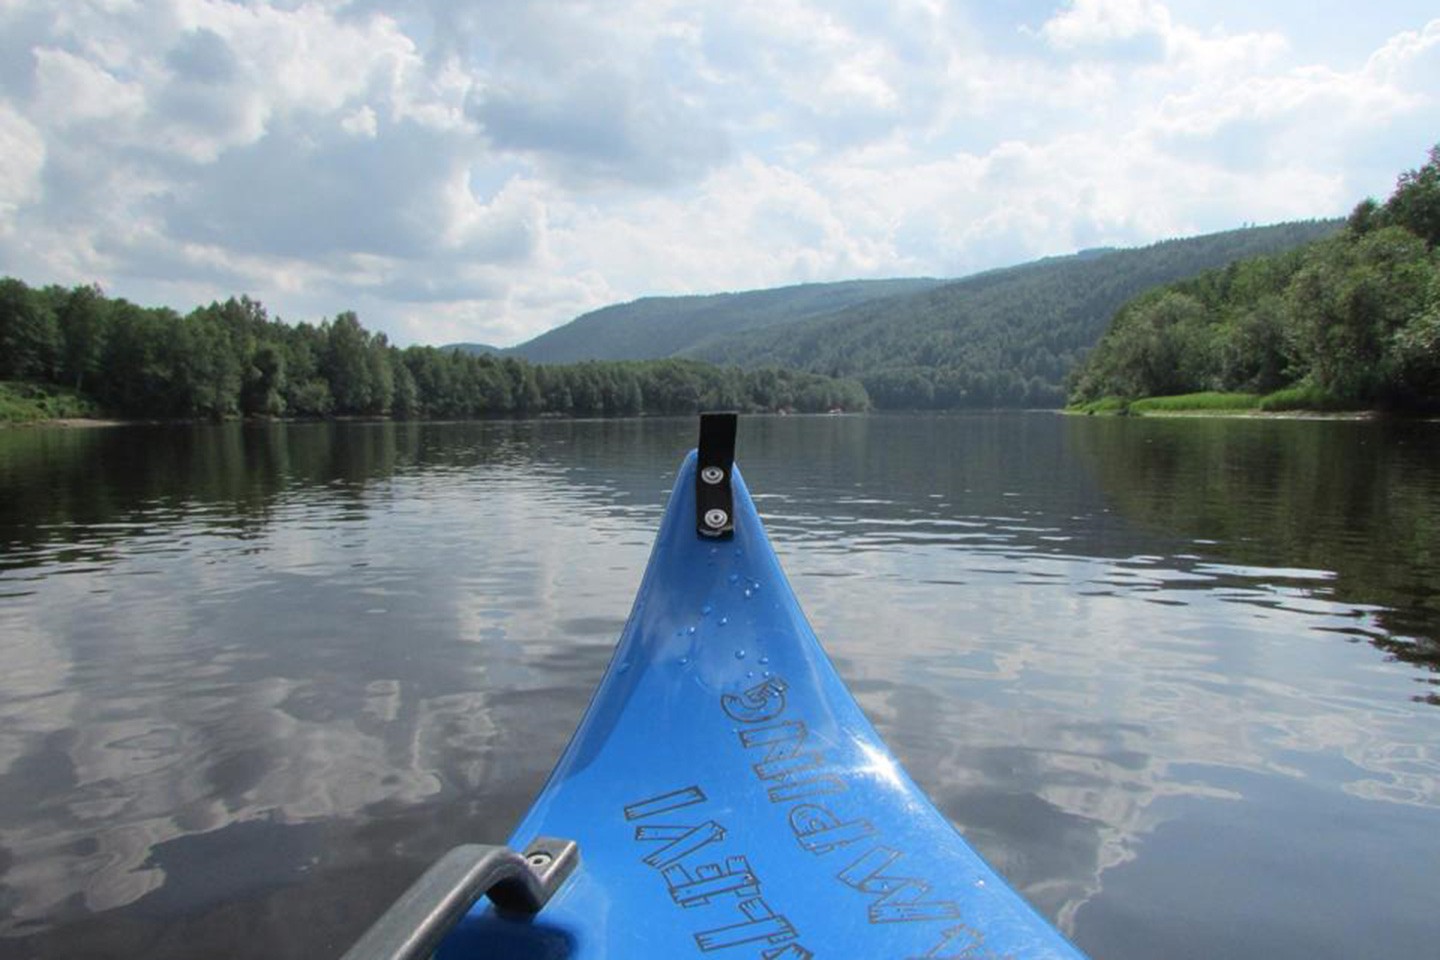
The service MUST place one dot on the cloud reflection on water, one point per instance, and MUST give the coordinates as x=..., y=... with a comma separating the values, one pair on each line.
x=1089, y=706
x=181, y=690
x=349, y=647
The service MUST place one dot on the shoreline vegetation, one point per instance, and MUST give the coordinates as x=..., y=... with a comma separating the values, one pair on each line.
x=26, y=402
x=31, y=404
x=1346, y=324
x=1302, y=402
x=68, y=353
x=37, y=415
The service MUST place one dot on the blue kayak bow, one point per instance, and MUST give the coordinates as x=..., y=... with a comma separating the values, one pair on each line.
x=727, y=795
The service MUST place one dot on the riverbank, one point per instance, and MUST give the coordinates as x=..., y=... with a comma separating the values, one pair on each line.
x=1291, y=402
x=80, y=423
x=26, y=403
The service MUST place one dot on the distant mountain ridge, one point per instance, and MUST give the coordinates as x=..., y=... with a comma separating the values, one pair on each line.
x=654, y=327
x=1005, y=337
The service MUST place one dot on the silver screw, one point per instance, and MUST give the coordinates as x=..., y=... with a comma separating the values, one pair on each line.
x=712, y=475
x=715, y=519
x=539, y=859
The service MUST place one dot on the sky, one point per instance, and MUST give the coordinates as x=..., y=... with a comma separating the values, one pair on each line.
x=483, y=171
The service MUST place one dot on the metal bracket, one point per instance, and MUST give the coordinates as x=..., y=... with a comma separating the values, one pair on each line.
x=516, y=882
x=714, y=499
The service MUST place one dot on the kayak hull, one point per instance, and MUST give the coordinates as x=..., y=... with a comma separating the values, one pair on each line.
x=730, y=799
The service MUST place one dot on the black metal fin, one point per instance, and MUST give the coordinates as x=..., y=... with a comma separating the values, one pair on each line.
x=714, y=498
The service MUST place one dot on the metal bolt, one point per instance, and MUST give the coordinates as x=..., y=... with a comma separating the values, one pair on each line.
x=539, y=859
x=717, y=518
x=712, y=475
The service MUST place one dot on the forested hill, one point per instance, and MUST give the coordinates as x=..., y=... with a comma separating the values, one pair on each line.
x=1004, y=338
x=1349, y=321
x=655, y=327
x=76, y=349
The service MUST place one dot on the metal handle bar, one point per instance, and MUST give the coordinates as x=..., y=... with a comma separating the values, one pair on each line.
x=519, y=882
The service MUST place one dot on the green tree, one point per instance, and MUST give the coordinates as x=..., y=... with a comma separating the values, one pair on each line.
x=82, y=319
x=1365, y=217
x=524, y=388
x=1252, y=348
x=1159, y=346
x=346, y=366
x=265, y=381
x=1348, y=302
x=136, y=372
x=406, y=400
x=381, y=375
x=1415, y=350
x=1415, y=204
x=29, y=334
x=306, y=391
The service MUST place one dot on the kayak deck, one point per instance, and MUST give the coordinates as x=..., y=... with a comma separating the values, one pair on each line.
x=730, y=799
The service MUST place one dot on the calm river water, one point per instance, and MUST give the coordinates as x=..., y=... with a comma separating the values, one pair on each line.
x=1176, y=679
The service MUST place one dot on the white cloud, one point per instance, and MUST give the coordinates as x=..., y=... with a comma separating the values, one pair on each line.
x=485, y=171
x=600, y=125
x=73, y=90
x=1106, y=23
x=22, y=158
x=360, y=122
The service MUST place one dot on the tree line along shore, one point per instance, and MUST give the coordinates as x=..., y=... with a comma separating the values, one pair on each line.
x=77, y=353
x=1350, y=322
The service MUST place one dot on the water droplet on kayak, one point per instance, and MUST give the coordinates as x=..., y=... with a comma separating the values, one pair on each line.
x=739, y=654
x=734, y=578
x=624, y=666
x=714, y=551
x=705, y=610
x=684, y=660
x=764, y=659
x=749, y=673
x=739, y=552
x=724, y=620
x=749, y=593
x=690, y=631
x=767, y=673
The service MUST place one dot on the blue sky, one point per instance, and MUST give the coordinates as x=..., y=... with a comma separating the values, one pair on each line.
x=487, y=170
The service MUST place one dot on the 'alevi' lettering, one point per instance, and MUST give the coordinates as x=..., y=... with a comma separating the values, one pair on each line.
x=792, y=771
x=899, y=897
x=792, y=774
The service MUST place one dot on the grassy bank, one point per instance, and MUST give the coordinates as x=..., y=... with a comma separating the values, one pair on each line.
x=22, y=402
x=1304, y=398
x=1209, y=402
x=1301, y=397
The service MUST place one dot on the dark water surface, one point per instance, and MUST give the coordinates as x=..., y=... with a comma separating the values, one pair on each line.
x=1176, y=679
